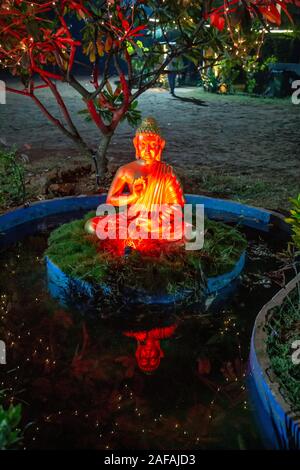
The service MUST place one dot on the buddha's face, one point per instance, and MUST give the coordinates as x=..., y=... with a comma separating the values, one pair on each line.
x=148, y=147
x=148, y=356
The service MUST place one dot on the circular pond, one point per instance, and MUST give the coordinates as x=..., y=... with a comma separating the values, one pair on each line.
x=141, y=377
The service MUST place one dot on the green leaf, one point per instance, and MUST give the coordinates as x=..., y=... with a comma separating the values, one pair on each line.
x=83, y=111
x=10, y=434
x=109, y=88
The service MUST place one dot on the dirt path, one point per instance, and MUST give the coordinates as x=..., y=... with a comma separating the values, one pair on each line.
x=232, y=135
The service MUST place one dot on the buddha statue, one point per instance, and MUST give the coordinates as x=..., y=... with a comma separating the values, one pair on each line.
x=145, y=183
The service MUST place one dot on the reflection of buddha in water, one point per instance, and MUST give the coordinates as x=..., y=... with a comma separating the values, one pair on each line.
x=149, y=352
x=148, y=181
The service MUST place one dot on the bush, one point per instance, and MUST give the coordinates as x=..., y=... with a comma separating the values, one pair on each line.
x=12, y=182
x=283, y=329
x=210, y=81
x=294, y=221
x=257, y=74
x=284, y=326
x=10, y=434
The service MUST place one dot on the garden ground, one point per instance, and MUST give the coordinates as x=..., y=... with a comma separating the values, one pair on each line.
x=240, y=147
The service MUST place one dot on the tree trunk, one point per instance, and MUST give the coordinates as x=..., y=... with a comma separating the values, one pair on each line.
x=100, y=156
x=87, y=152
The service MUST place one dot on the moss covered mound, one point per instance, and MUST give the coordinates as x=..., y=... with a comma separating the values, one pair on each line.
x=283, y=329
x=167, y=271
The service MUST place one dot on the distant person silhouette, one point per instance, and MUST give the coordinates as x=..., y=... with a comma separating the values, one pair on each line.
x=173, y=68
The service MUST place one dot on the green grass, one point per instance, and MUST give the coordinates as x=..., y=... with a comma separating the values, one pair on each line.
x=12, y=180
x=165, y=270
x=247, y=189
x=238, y=97
x=75, y=252
x=283, y=329
x=271, y=190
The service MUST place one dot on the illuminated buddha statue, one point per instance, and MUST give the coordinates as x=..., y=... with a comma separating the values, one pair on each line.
x=147, y=182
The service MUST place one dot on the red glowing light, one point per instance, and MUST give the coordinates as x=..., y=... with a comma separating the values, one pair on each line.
x=149, y=352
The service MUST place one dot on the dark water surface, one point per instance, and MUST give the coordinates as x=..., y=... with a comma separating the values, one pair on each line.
x=79, y=381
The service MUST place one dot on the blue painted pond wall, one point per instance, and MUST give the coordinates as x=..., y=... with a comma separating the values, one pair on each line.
x=279, y=425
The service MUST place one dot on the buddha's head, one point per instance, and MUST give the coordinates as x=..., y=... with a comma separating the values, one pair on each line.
x=148, y=355
x=148, y=141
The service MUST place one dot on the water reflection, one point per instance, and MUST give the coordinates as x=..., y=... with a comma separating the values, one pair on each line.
x=149, y=351
x=121, y=379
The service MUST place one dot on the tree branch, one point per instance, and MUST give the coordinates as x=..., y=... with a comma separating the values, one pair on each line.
x=121, y=111
x=105, y=76
x=154, y=80
x=74, y=83
x=64, y=109
x=96, y=117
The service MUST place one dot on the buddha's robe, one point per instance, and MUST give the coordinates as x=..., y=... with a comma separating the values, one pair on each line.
x=162, y=190
x=162, y=187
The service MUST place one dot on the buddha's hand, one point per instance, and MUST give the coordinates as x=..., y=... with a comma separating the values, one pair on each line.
x=139, y=187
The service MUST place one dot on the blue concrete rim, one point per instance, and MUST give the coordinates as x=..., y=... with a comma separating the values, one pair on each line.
x=280, y=425
x=215, y=208
x=218, y=209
